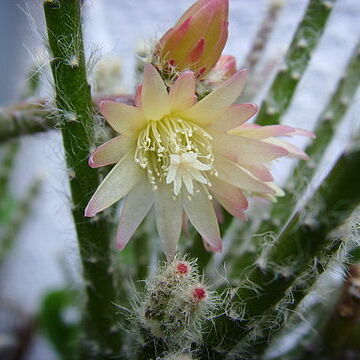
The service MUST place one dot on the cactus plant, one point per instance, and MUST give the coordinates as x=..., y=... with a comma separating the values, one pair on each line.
x=184, y=146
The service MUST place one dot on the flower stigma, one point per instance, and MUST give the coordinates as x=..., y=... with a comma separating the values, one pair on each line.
x=176, y=151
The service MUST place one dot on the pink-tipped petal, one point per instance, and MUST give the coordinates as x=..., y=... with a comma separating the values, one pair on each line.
x=138, y=96
x=234, y=116
x=218, y=212
x=263, y=132
x=303, y=132
x=154, y=95
x=260, y=171
x=136, y=206
x=294, y=151
x=229, y=192
x=115, y=186
x=238, y=177
x=201, y=214
x=125, y=119
x=232, y=208
x=111, y=152
x=245, y=150
x=168, y=218
x=207, y=110
x=182, y=93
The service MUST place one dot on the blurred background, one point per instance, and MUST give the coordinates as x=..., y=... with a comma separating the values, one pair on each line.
x=43, y=254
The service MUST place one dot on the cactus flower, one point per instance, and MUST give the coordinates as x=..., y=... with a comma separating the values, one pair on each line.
x=197, y=39
x=180, y=155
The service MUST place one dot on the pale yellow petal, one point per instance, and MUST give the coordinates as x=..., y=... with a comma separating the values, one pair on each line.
x=239, y=177
x=123, y=118
x=234, y=116
x=111, y=152
x=245, y=150
x=116, y=185
x=137, y=204
x=207, y=110
x=168, y=218
x=201, y=214
x=182, y=93
x=154, y=96
x=293, y=150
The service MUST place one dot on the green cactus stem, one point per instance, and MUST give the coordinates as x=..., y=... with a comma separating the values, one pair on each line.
x=263, y=34
x=17, y=219
x=300, y=243
x=297, y=58
x=73, y=98
x=24, y=119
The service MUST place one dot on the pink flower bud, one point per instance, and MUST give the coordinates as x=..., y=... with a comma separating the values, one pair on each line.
x=223, y=70
x=197, y=39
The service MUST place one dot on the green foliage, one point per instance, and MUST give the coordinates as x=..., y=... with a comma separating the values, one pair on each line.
x=63, y=333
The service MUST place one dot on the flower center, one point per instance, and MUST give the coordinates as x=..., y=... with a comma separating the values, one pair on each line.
x=176, y=151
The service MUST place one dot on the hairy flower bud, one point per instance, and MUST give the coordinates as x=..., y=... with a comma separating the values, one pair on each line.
x=176, y=303
x=197, y=39
x=223, y=70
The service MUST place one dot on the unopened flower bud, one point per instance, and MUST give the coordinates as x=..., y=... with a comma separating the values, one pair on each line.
x=197, y=39
x=223, y=70
x=183, y=268
x=199, y=294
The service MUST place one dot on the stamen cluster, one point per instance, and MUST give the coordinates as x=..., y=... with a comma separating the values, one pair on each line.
x=175, y=150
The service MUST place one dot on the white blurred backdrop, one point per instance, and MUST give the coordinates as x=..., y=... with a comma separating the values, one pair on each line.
x=117, y=28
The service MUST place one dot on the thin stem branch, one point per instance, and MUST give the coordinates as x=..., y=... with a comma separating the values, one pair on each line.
x=297, y=58
x=73, y=98
x=325, y=130
x=263, y=34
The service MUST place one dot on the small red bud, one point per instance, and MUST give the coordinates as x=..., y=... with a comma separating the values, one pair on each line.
x=199, y=294
x=182, y=268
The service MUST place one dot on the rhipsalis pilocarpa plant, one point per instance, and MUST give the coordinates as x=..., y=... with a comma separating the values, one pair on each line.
x=177, y=166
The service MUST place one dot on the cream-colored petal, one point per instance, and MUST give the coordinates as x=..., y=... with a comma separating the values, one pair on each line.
x=123, y=118
x=168, y=218
x=294, y=151
x=234, y=116
x=136, y=206
x=262, y=132
x=154, y=96
x=235, y=175
x=182, y=93
x=116, y=185
x=207, y=110
x=111, y=152
x=201, y=214
x=245, y=150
